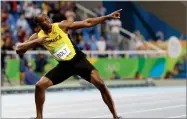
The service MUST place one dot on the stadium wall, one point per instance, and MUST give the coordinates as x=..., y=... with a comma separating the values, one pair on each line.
x=125, y=67
x=172, y=12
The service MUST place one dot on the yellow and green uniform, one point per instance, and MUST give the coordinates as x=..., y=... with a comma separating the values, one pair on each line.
x=72, y=61
x=59, y=44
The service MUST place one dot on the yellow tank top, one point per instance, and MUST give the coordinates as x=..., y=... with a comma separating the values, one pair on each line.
x=58, y=43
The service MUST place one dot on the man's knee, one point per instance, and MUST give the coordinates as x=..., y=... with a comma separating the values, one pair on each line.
x=39, y=85
x=97, y=81
x=43, y=83
x=101, y=85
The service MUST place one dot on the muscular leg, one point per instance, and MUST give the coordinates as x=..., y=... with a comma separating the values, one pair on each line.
x=107, y=98
x=40, y=88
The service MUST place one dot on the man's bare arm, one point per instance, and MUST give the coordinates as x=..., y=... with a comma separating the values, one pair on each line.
x=88, y=22
x=23, y=47
x=32, y=42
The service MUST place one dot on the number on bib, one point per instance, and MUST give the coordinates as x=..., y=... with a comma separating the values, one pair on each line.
x=63, y=52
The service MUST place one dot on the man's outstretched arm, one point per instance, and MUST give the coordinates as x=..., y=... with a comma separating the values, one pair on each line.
x=89, y=22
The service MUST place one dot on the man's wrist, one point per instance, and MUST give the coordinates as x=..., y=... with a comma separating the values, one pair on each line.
x=107, y=16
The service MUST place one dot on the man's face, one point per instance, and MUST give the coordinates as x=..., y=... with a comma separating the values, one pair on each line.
x=44, y=22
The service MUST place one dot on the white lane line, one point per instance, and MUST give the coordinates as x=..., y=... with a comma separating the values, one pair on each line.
x=128, y=97
x=17, y=110
x=120, y=106
x=101, y=108
x=139, y=111
x=178, y=116
x=145, y=94
x=94, y=109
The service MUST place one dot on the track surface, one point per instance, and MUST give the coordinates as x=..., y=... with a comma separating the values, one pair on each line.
x=147, y=102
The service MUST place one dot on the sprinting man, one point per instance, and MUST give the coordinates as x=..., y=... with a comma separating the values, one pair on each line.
x=54, y=37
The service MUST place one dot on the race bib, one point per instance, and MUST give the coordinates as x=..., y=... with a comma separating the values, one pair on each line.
x=63, y=52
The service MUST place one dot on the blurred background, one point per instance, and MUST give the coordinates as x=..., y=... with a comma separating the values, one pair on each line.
x=131, y=50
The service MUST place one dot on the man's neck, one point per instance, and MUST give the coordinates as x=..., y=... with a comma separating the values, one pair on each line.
x=48, y=30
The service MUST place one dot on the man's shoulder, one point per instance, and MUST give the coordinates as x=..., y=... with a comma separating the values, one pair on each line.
x=56, y=23
x=64, y=24
x=59, y=24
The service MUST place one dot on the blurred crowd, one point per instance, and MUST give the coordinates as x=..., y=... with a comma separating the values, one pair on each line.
x=18, y=25
x=17, y=18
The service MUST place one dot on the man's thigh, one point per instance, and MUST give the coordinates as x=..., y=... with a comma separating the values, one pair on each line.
x=59, y=73
x=84, y=68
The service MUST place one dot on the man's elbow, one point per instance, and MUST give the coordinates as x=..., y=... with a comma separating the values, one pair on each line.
x=19, y=50
x=89, y=25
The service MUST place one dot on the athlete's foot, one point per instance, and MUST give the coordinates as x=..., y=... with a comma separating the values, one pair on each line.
x=120, y=117
x=35, y=118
